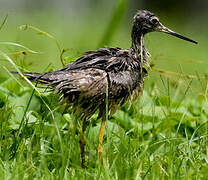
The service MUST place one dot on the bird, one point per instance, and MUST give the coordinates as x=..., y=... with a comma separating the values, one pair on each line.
x=103, y=80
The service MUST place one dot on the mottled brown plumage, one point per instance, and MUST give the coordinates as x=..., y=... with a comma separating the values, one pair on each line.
x=83, y=83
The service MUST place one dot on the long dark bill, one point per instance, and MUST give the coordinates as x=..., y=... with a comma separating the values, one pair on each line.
x=162, y=28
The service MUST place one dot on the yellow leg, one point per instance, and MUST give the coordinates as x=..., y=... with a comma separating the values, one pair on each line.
x=83, y=142
x=102, y=129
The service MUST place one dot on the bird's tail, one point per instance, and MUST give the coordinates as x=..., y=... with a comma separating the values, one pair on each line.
x=29, y=75
x=35, y=76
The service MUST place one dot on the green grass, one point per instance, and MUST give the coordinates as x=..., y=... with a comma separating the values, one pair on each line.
x=162, y=136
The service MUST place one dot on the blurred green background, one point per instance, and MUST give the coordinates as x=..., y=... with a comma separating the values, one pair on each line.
x=162, y=136
x=84, y=25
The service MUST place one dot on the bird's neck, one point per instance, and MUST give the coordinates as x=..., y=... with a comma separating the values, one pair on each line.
x=138, y=45
x=137, y=37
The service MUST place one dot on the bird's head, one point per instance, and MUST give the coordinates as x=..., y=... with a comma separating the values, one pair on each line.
x=146, y=21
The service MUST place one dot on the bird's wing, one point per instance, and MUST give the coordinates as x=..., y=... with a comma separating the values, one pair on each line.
x=124, y=83
x=84, y=89
x=88, y=82
x=108, y=59
x=94, y=58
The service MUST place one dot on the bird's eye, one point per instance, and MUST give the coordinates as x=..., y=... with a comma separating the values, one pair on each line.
x=154, y=20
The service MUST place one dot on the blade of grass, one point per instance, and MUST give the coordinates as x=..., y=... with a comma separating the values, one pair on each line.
x=18, y=45
x=34, y=89
x=17, y=138
x=27, y=26
x=184, y=95
x=162, y=71
x=61, y=50
x=19, y=52
x=13, y=77
x=26, y=79
x=4, y=21
x=183, y=60
x=192, y=137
